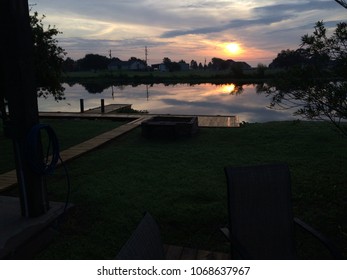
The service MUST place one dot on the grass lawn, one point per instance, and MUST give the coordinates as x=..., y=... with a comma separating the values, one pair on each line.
x=66, y=132
x=182, y=184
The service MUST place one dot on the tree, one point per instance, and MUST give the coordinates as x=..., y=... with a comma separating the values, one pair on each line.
x=288, y=59
x=3, y=114
x=193, y=64
x=48, y=58
x=48, y=61
x=343, y=3
x=327, y=52
x=261, y=68
x=166, y=60
x=69, y=65
x=170, y=65
x=221, y=64
x=237, y=69
x=319, y=88
x=20, y=90
x=93, y=62
x=218, y=64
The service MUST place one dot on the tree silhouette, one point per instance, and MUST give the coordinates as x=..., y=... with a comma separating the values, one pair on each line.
x=318, y=89
x=343, y=3
x=93, y=62
x=48, y=61
x=48, y=58
x=288, y=59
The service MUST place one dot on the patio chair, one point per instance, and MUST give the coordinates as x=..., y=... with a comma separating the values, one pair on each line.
x=261, y=222
x=144, y=243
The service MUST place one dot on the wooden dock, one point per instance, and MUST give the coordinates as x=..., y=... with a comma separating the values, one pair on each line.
x=107, y=109
x=218, y=121
x=113, y=111
x=204, y=121
x=8, y=180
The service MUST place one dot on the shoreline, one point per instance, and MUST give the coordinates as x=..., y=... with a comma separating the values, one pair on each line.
x=154, y=77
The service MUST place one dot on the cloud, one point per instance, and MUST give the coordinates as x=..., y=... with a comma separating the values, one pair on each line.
x=135, y=12
x=232, y=24
x=267, y=15
x=190, y=29
x=124, y=49
x=296, y=7
x=207, y=4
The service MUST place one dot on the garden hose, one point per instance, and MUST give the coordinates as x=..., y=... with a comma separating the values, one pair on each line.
x=47, y=164
x=33, y=153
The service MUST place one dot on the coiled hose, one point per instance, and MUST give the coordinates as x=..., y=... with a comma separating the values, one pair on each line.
x=33, y=153
x=46, y=165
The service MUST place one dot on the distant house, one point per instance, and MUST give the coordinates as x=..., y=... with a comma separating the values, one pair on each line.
x=117, y=64
x=160, y=67
x=173, y=66
x=114, y=64
x=184, y=66
x=136, y=65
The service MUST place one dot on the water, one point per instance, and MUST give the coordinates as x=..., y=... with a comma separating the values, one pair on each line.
x=202, y=99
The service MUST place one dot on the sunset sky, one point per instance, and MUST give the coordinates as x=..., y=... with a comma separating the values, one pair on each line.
x=242, y=30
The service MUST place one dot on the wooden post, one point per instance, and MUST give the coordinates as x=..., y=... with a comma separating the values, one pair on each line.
x=20, y=91
x=81, y=105
x=102, y=106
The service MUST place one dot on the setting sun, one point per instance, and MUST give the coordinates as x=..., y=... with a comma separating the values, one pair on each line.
x=233, y=48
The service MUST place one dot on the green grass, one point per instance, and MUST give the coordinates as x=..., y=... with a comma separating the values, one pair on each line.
x=69, y=132
x=182, y=184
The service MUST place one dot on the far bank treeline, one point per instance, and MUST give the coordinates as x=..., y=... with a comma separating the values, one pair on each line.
x=102, y=69
x=137, y=71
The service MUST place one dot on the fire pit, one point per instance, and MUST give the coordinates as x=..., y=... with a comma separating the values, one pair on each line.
x=169, y=127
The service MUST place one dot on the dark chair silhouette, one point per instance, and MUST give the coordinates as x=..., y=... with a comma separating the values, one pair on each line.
x=144, y=243
x=261, y=222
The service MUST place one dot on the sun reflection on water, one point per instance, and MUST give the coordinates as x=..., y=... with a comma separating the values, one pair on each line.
x=228, y=88
x=202, y=99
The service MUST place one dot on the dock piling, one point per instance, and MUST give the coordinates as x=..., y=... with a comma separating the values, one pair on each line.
x=82, y=105
x=102, y=106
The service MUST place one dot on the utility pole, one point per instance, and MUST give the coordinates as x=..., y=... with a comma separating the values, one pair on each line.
x=146, y=55
x=20, y=91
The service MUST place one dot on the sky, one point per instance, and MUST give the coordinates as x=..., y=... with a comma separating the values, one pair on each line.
x=242, y=30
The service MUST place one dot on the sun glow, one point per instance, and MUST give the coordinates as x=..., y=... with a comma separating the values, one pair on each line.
x=233, y=48
x=228, y=88
x=232, y=89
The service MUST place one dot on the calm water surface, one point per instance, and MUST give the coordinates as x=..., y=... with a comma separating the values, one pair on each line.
x=202, y=99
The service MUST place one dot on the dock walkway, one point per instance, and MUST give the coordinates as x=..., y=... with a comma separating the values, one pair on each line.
x=111, y=108
x=9, y=179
